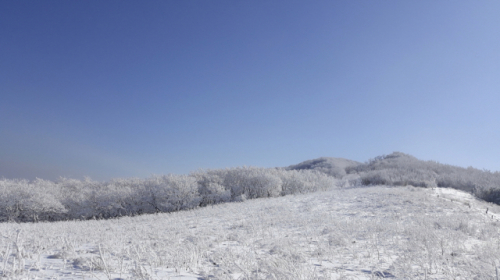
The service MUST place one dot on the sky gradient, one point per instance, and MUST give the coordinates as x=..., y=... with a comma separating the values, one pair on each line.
x=111, y=89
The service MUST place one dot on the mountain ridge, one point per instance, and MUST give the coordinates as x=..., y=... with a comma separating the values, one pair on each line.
x=333, y=166
x=400, y=169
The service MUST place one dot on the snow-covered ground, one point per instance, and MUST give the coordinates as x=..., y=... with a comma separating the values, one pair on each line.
x=353, y=233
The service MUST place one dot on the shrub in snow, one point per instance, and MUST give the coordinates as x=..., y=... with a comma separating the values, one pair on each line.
x=23, y=201
x=120, y=197
x=260, y=183
x=172, y=192
x=490, y=195
x=399, y=177
x=292, y=181
x=320, y=181
x=83, y=199
x=211, y=188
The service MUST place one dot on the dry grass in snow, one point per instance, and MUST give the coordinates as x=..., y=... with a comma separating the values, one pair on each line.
x=355, y=233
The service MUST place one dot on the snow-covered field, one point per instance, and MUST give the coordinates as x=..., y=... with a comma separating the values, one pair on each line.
x=352, y=233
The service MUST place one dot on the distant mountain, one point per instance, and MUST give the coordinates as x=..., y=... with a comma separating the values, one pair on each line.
x=399, y=169
x=332, y=166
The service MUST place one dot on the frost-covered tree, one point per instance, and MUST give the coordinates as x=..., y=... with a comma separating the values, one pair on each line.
x=172, y=192
x=22, y=200
x=211, y=188
x=402, y=169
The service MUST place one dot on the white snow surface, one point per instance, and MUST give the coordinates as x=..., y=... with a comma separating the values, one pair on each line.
x=352, y=233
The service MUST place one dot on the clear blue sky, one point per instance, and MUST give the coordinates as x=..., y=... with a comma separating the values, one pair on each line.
x=132, y=88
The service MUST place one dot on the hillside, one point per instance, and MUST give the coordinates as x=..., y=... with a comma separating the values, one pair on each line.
x=352, y=233
x=394, y=216
x=399, y=169
x=332, y=166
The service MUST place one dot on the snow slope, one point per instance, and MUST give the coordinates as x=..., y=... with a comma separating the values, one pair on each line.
x=353, y=233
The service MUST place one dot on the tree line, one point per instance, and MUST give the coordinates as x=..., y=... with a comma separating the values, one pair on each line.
x=72, y=199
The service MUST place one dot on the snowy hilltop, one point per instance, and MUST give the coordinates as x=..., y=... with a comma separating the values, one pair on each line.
x=399, y=169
